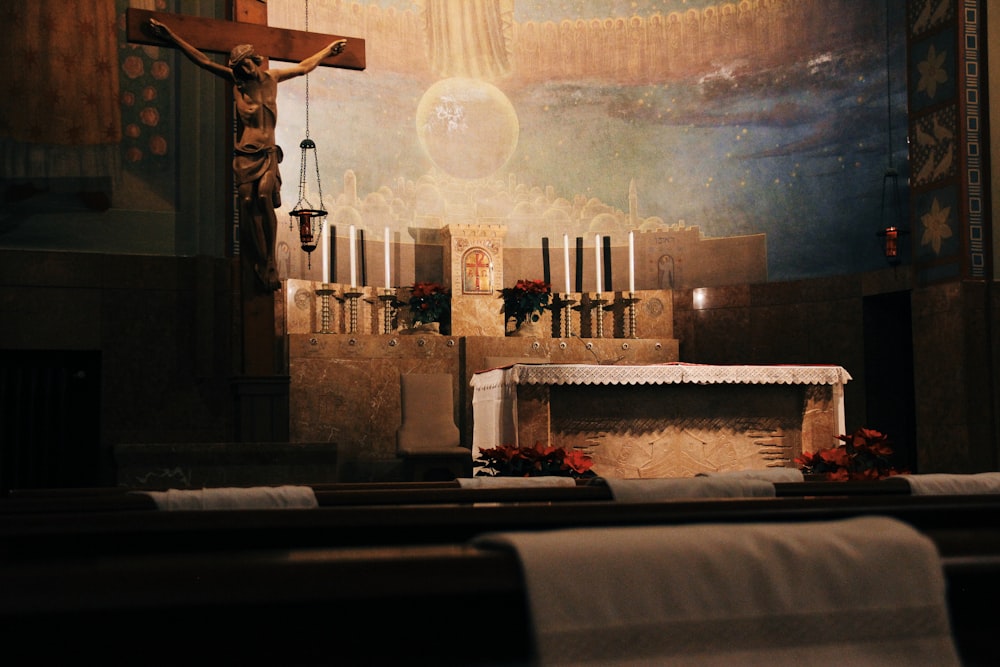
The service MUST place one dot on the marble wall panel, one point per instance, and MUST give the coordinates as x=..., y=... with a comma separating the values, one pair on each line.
x=947, y=388
x=722, y=334
x=477, y=316
x=345, y=389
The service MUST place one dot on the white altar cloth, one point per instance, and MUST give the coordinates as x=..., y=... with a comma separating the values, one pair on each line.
x=494, y=399
x=669, y=373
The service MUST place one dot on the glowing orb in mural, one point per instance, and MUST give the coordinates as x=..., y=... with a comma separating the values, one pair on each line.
x=468, y=127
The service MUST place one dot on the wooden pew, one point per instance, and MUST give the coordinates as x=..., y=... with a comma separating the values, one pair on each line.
x=407, y=493
x=383, y=583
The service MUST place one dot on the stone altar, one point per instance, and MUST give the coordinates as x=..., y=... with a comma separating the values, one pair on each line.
x=663, y=420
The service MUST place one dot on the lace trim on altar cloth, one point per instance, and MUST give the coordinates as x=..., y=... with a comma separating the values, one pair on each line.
x=673, y=373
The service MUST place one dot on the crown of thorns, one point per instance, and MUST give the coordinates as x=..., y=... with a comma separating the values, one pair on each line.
x=241, y=52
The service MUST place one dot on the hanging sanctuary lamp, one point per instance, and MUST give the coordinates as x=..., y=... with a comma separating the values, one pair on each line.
x=310, y=220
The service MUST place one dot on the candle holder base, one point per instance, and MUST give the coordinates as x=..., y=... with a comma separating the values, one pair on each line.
x=597, y=305
x=325, y=292
x=352, y=307
x=389, y=306
x=565, y=304
x=630, y=302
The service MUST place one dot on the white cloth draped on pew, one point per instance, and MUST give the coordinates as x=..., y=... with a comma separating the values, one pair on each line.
x=863, y=591
x=233, y=498
x=680, y=488
x=768, y=474
x=486, y=482
x=943, y=484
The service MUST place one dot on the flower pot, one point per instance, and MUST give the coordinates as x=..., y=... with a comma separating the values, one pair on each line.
x=428, y=328
x=529, y=329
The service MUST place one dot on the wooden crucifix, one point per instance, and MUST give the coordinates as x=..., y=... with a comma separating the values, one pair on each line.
x=220, y=36
x=249, y=42
x=255, y=153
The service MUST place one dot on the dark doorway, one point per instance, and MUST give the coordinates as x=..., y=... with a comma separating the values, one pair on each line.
x=49, y=419
x=889, y=373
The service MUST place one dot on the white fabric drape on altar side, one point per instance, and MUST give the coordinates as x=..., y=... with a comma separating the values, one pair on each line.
x=862, y=591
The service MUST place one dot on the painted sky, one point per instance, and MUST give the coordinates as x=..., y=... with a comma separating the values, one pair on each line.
x=796, y=150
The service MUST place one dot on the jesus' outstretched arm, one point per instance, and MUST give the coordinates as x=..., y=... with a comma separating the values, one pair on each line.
x=312, y=62
x=196, y=56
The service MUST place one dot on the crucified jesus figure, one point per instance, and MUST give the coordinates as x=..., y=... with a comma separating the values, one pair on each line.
x=256, y=155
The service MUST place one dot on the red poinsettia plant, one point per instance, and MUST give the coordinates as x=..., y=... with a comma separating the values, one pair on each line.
x=526, y=299
x=429, y=302
x=864, y=454
x=538, y=461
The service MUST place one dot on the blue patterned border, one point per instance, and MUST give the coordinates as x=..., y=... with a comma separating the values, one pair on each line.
x=971, y=88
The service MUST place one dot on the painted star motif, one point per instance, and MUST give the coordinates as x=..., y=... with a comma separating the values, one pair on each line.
x=931, y=72
x=936, y=227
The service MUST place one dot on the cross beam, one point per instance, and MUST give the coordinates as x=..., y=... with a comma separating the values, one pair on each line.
x=219, y=36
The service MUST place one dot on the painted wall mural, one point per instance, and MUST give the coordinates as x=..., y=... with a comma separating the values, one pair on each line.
x=755, y=134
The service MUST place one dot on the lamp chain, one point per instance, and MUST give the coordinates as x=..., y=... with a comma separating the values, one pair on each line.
x=888, y=82
x=307, y=78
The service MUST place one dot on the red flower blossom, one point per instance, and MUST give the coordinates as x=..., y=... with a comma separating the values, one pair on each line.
x=578, y=462
x=839, y=475
x=526, y=299
x=537, y=461
x=429, y=302
x=836, y=456
x=865, y=455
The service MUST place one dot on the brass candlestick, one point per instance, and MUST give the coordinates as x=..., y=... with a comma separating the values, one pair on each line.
x=325, y=292
x=566, y=304
x=352, y=305
x=598, y=306
x=388, y=310
x=630, y=302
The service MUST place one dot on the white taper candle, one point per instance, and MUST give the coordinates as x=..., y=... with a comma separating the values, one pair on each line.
x=324, y=238
x=631, y=262
x=353, y=247
x=566, y=261
x=597, y=263
x=388, y=273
